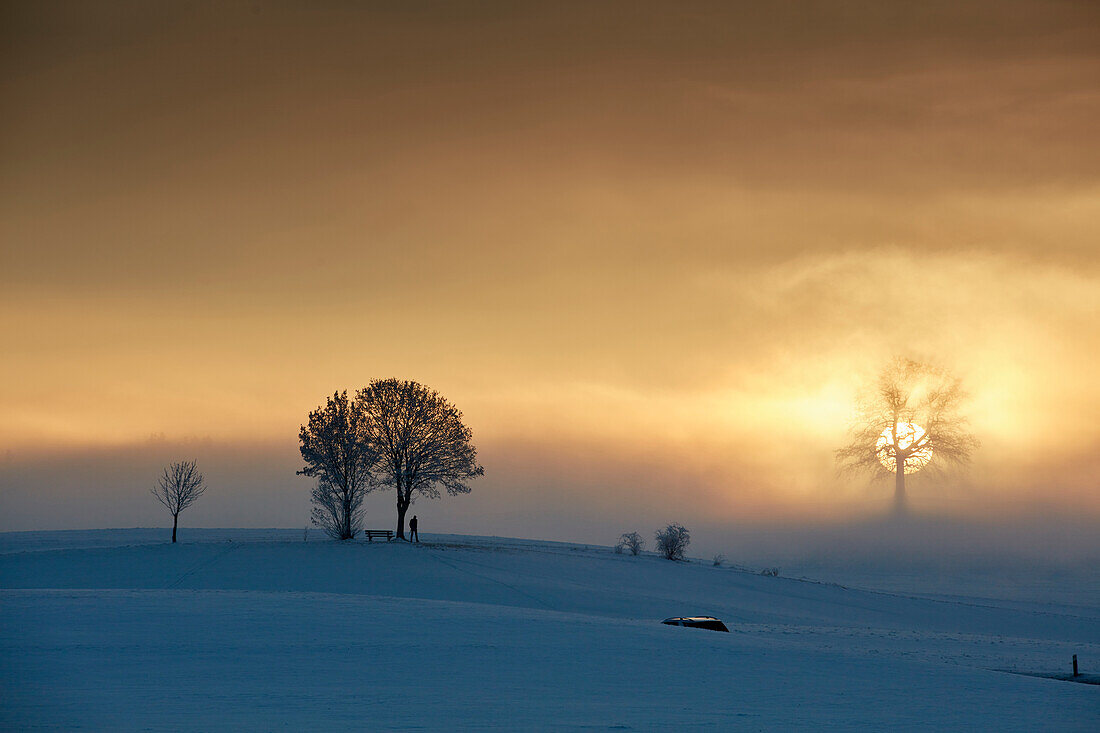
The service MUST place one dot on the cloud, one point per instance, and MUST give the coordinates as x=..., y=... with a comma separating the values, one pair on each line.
x=680, y=241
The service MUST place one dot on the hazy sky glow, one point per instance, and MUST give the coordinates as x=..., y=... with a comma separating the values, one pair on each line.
x=651, y=256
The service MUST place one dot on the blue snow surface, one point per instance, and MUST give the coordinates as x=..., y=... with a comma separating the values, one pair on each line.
x=273, y=630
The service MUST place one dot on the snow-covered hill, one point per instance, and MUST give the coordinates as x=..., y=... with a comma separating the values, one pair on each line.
x=259, y=630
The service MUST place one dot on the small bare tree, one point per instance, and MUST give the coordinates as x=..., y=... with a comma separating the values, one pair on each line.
x=631, y=541
x=909, y=421
x=178, y=489
x=422, y=441
x=718, y=560
x=672, y=541
x=337, y=450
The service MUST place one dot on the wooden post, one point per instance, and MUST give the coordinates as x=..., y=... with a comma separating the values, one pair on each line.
x=1075, y=674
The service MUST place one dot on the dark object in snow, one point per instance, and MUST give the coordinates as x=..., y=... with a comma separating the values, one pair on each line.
x=372, y=533
x=697, y=622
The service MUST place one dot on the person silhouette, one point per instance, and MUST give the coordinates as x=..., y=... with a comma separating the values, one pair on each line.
x=412, y=530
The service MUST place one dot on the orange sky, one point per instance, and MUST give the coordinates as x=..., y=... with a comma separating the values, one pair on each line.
x=652, y=255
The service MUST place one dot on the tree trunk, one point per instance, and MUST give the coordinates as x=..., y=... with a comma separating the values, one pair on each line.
x=899, y=487
x=402, y=507
x=175, y=521
x=347, y=534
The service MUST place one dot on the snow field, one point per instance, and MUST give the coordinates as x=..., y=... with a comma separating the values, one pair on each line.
x=272, y=633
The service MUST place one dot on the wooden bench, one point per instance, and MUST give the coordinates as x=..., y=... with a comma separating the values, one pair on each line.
x=372, y=533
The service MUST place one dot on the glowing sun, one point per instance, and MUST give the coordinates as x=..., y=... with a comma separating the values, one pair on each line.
x=914, y=450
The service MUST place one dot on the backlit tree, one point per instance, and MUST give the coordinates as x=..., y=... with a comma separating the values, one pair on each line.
x=179, y=487
x=909, y=420
x=336, y=448
x=672, y=541
x=422, y=442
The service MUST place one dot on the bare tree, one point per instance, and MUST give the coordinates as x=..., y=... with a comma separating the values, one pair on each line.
x=672, y=541
x=718, y=559
x=908, y=421
x=632, y=541
x=178, y=489
x=422, y=441
x=336, y=447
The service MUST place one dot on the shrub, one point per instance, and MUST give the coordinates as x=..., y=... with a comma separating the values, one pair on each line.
x=631, y=541
x=719, y=559
x=672, y=541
